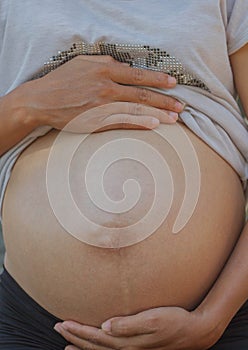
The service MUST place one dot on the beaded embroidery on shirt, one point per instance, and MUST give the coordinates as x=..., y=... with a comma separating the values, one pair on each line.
x=139, y=56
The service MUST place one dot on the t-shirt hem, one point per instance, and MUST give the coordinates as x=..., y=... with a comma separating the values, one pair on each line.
x=242, y=41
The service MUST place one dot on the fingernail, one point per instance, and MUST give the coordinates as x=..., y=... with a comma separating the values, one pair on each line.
x=58, y=327
x=171, y=80
x=65, y=325
x=155, y=121
x=106, y=326
x=173, y=115
x=179, y=106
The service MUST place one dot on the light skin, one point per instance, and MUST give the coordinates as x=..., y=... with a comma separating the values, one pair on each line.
x=79, y=85
x=173, y=327
x=53, y=101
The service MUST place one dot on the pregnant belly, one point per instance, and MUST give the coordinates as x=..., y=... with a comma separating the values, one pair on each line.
x=120, y=264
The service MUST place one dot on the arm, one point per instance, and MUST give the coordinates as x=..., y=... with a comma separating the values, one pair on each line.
x=15, y=123
x=239, y=61
x=231, y=289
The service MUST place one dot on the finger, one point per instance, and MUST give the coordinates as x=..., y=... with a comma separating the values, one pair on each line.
x=125, y=115
x=164, y=116
x=135, y=109
x=169, y=115
x=127, y=121
x=97, y=336
x=128, y=326
x=147, y=97
x=79, y=341
x=124, y=74
x=137, y=76
x=71, y=347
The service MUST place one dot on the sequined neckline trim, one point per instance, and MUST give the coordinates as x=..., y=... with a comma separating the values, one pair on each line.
x=139, y=56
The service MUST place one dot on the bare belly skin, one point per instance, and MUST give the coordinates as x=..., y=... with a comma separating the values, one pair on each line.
x=75, y=280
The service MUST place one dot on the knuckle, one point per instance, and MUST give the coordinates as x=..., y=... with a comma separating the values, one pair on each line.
x=101, y=69
x=104, y=61
x=115, y=345
x=122, y=327
x=143, y=95
x=153, y=322
x=78, y=58
x=109, y=59
x=94, y=340
x=136, y=108
x=69, y=337
x=138, y=75
x=90, y=344
x=89, y=347
x=109, y=63
x=169, y=103
x=117, y=123
x=123, y=123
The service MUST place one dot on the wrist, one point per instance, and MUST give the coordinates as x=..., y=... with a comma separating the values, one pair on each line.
x=19, y=109
x=211, y=326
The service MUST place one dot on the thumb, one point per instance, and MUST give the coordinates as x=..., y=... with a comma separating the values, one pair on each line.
x=129, y=325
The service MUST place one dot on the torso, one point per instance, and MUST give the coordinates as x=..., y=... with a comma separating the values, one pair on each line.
x=75, y=280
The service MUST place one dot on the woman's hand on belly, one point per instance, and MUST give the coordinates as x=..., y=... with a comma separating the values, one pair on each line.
x=87, y=83
x=160, y=328
x=172, y=327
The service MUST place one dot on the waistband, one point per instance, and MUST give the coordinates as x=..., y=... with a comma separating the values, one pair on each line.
x=21, y=316
x=23, y=320
x=22, y=298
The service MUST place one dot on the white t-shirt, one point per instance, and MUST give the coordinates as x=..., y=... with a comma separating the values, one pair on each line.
x=201, y=34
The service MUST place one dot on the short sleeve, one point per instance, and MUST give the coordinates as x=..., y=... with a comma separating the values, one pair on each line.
x=237, y=26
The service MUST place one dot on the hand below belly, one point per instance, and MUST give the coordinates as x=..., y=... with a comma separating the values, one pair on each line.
x=90, y=283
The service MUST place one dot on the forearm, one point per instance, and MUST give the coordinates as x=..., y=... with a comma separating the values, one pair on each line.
x=15, y=123
x=240, y=72
x=230, y=290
